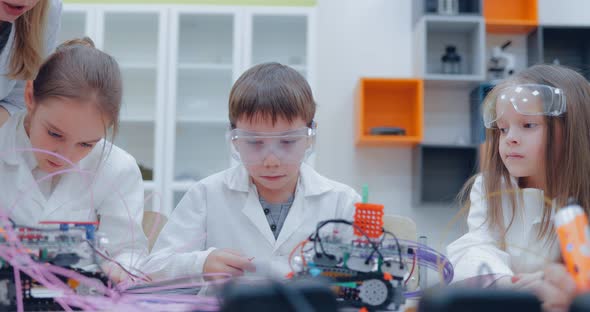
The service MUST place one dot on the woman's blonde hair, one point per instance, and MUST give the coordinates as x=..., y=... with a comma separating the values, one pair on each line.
x=567, y=152
x=29, y=43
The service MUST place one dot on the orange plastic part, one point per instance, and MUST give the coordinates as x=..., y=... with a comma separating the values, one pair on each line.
x=387, y=276
x=384, y=102
x=573, y=238
x=368, y=217
x=73, y=283
x=510, y=16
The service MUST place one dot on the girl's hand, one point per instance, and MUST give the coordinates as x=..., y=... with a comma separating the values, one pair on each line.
x=553, y=286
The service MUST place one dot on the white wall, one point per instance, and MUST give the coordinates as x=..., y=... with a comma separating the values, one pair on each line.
x=564, y=12
x=372, y=38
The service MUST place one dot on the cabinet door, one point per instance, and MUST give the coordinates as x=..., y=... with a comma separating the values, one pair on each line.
x=278, y=36
x=203, y=66
x=76, y=22
x=135, y=36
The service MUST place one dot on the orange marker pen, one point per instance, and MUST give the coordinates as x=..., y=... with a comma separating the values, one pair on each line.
x=574, y=237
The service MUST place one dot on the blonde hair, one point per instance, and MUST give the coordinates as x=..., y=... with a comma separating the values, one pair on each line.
x=28, y=48
x=567, y=154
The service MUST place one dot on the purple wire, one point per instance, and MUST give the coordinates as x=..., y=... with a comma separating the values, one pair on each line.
x=413, y=294
x=19, y=292
x=432, y=259
x=47, y=275
x=84, y=173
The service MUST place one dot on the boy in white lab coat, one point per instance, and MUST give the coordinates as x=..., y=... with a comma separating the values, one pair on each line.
x=251, y=216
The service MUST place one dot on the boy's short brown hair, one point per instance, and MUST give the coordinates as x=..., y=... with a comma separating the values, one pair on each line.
x=271, y=90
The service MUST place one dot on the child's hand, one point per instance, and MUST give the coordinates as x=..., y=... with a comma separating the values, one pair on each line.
x=553, y=286
x=228, y=261
x=525, y=280
x=114, y=272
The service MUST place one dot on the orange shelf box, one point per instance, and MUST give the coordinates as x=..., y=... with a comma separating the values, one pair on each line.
x=510, y=16
x=384, y=102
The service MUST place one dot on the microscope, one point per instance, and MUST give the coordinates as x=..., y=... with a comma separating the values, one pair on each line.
x=502, y=63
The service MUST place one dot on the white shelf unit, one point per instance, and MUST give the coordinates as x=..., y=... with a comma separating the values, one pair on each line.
x=433, y=33
x=136, y=37
x=204, y=61
x=284, y=35
x=446, y=96
x=73, y=25
x=178, y=64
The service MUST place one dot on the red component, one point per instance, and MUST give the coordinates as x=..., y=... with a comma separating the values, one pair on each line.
x=290, y=275
x=368, y=217
x=71, y=222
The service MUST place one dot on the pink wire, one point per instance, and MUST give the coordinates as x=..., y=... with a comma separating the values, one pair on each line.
x=76, y=167
x=81, y=278
x=49, y=176
x=131, y=229
x=16, y=268
x=19, y=291
x=46, y=274
x=202, y=304
x=85, y=173
x=92, y=208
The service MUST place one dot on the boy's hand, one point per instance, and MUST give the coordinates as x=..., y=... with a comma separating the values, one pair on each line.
x=228, y=261
x=553, y=286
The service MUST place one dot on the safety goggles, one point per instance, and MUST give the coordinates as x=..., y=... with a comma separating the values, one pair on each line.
x=526, y=99
x=290, y=147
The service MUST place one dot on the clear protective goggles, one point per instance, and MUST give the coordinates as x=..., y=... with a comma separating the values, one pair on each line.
x=526, y=99
x=290, y=147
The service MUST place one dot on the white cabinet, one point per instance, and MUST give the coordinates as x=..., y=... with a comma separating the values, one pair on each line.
x=73, y=25
x=137, y=37
x=178, y=64
x=205, y=60
x=280, y=35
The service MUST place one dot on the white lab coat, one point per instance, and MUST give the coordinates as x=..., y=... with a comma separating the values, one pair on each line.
x=524, y=252
x=117, y=174
x=12, y=92
x=224, y=211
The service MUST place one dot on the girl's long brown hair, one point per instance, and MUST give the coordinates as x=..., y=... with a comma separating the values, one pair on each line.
x=77, y=70
x=567, y=152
